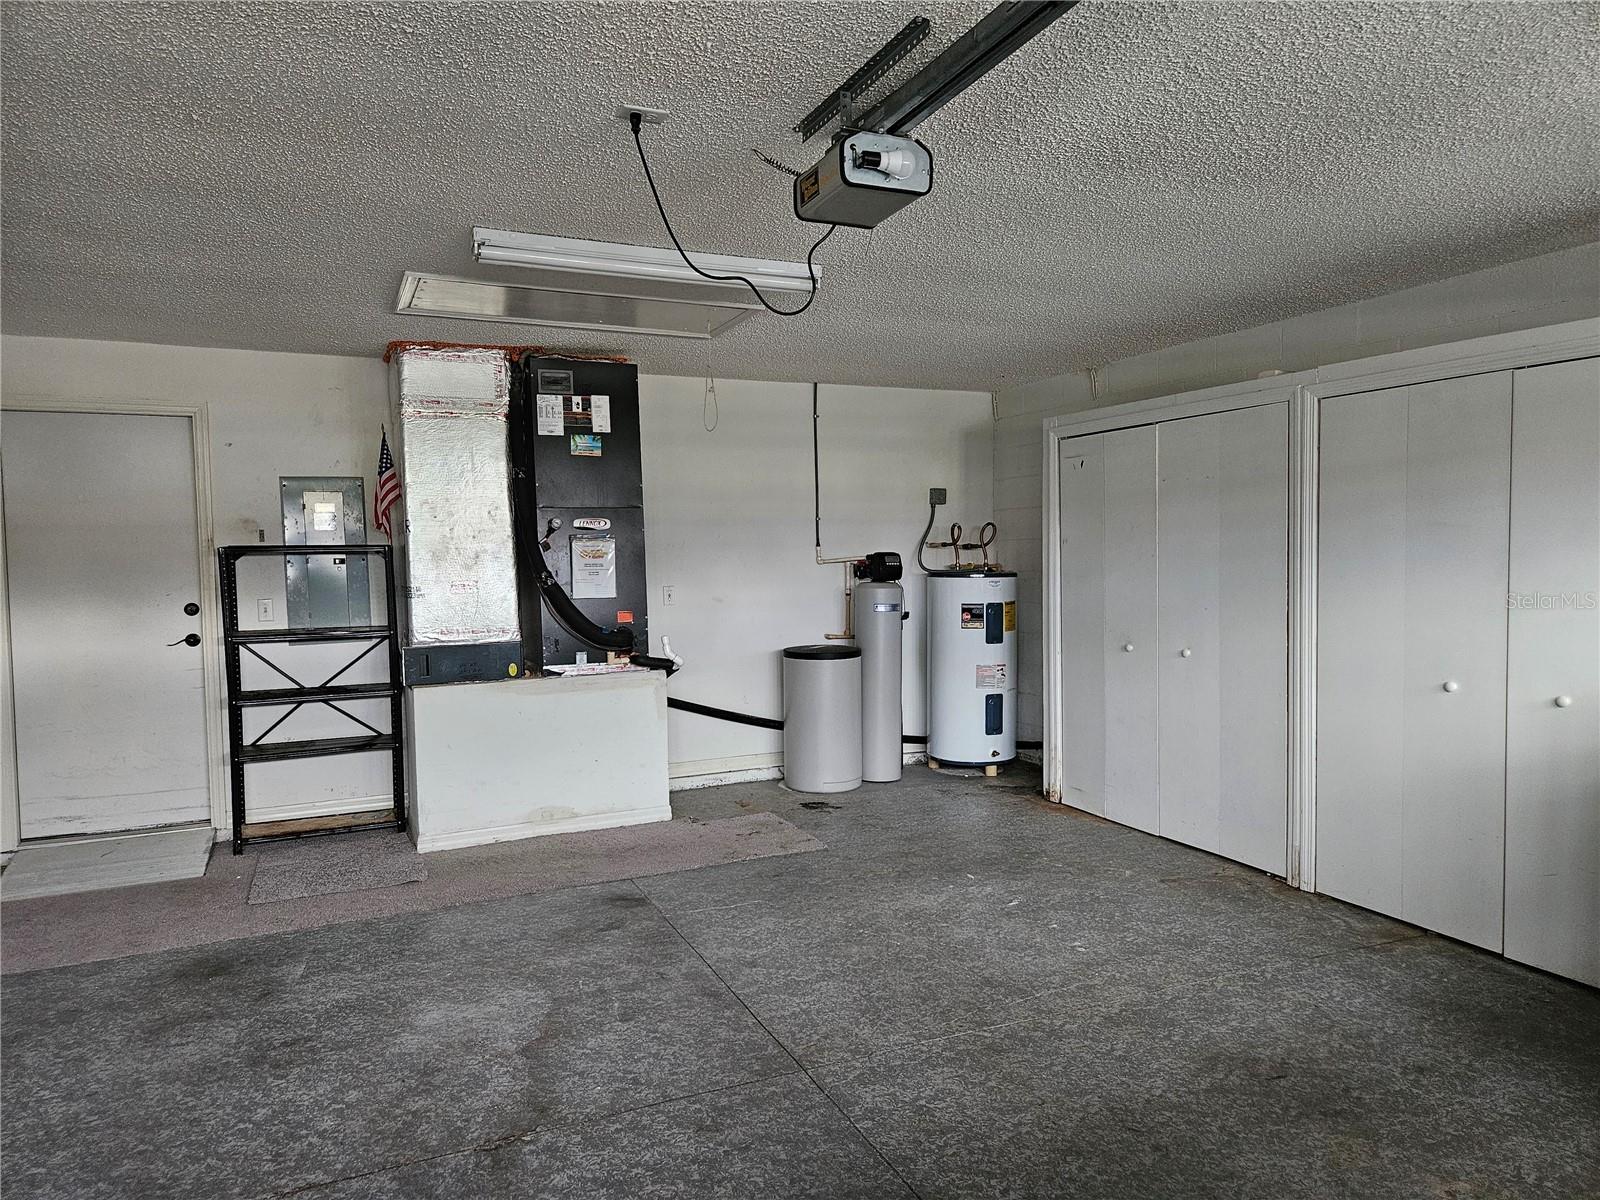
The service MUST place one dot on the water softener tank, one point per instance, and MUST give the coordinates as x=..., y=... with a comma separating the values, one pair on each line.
x=972, y=667
x=822, y=718
x=879, y=610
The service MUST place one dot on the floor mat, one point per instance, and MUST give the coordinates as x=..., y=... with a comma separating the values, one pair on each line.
x=326, y=866
x=94, y=864
x=56, y=931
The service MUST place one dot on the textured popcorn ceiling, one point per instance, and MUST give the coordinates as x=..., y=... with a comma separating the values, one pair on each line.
x=260, y=175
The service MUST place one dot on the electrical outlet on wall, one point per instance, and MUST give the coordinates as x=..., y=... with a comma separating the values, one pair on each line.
x=264, y=611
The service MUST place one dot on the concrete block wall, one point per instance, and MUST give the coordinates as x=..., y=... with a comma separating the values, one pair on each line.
x=1547, y=290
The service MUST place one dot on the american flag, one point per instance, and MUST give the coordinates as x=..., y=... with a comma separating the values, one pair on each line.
x=388, y=489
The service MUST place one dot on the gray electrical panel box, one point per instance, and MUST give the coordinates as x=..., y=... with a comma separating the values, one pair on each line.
x=325, y=590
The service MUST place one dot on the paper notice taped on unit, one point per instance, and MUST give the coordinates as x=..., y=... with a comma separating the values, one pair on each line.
x=594, y=568
x=600, y=414
x=547, y=415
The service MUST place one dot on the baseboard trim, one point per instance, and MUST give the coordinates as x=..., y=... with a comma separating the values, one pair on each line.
x=428, y=843
x=743, y=768
x=714, y=772
x=317, y=808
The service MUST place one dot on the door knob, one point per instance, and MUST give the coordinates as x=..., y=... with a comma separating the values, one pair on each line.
x=1127, y=647
x=1186, y=652
x=1450, y=685
x=191, y=609
x=191, y=639
x=1563, y=701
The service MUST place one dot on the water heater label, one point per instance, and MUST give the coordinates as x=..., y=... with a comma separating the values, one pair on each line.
x=972, y=616
x=991, y=677
x=885, y=608
x=1011, y=616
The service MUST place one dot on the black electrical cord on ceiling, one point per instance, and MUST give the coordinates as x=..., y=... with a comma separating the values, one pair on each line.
x=635, y=121
x=775, y=164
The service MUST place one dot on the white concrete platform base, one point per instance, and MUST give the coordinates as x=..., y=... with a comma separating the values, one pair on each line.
x=493, y=762
x=89, y=864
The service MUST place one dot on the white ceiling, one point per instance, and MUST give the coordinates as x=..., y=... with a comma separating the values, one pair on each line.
x=259, y=175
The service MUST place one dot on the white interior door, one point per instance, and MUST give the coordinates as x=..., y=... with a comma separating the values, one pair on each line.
x=102, y=557
x=1552, y=902
x=1223, y=641
x=1411, y=652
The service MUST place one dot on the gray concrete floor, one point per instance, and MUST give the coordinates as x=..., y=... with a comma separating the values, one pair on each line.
x=970, y=993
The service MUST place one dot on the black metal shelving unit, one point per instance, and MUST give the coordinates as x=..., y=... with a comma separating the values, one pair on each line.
x=329, y=693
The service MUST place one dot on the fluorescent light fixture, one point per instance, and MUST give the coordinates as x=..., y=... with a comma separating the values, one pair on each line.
x=573, y=284
x=618, y=261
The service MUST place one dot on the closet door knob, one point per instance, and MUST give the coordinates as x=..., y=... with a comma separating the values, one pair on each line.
x=1127, y=647
x=1450, y=685
x=1186, y=652
x=1563, y=701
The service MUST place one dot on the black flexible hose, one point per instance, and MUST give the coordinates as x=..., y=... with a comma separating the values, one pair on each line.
x=570, y=617
x=723, y=714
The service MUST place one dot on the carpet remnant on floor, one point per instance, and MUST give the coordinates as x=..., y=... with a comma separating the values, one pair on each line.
x=326, y=866
x=59, y=931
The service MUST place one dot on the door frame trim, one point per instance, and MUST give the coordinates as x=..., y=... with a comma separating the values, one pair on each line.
x=212, y=683
x=1303, y=392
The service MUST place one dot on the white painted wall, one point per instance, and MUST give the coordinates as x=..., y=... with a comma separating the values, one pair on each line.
x=729, y=527
x=729, y=511
x=270, y=415
x=1548, y=290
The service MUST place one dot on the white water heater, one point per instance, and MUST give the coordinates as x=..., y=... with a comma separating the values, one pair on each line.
x=972, y=667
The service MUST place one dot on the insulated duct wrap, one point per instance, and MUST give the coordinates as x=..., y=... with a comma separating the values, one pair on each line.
x=460, y=560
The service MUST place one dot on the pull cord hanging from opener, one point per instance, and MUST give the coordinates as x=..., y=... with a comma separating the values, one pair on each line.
x=634, y=122
x=710, y=414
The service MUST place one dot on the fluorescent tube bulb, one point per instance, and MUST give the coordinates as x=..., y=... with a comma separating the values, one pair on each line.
x=578, y=256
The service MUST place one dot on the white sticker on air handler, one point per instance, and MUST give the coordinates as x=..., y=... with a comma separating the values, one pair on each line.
x=992, y=677
x=548, y=415
x=594, y=568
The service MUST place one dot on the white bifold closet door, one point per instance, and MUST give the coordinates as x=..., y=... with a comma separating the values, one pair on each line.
x=1108, y=608
x=1552, y=868
x=1174, y=537
x=1223, y=633
x=1411, y=652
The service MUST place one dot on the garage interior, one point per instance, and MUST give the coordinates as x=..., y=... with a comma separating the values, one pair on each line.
x=800, y=599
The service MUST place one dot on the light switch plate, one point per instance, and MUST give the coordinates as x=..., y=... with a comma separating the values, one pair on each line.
x=264, y=610
x=668, y=595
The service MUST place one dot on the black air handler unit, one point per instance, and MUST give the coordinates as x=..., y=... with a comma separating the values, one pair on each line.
x=577, y=500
